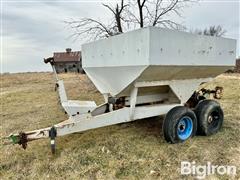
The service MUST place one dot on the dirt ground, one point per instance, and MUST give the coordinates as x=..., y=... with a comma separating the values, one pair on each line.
x=135, y=150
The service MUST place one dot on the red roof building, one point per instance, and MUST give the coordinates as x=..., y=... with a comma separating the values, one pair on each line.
x=67, y=56
x=69, y=61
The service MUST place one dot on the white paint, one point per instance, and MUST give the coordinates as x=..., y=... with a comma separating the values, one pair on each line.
x=147, y=98
x=151, y=53
x=183, y=89
x=52, y=142
x=112, y=80
x=169, y=47
x=133, y=100
x=142, y=112
x=73, y=107
x=115, y=117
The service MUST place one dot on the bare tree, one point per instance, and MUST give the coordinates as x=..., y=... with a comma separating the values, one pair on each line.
x=139, y=12
x=91, y=28
x=141, y=5
x=217, y=31
x=95, y=29
x=117, y=14
x=214, y=31
x=157, y=12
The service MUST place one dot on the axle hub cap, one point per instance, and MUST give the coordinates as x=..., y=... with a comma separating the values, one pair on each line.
x=184, y=128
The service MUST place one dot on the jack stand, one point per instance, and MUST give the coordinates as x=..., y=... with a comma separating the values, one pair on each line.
x=52, y=135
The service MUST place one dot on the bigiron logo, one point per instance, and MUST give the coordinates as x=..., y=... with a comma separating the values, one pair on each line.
x=201, y=171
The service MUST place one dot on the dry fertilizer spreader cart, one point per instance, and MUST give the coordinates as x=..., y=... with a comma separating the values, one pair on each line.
x=146, y=73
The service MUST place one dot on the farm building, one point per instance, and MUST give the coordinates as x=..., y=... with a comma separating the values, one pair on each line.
x=237, y=66
x=69, y=61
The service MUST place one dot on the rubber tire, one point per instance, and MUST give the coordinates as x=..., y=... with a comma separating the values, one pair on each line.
x=171, y=121
x=202, y=111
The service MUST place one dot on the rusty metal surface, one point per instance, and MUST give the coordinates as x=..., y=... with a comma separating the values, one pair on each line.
x=23, y=137
x=23, y=140
x=218, y=92
x=204, y=94
x=67, y=56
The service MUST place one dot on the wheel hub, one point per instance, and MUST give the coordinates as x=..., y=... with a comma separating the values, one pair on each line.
x=210, y=119
x=181, y=127
x=214, y=117
x=184, y=127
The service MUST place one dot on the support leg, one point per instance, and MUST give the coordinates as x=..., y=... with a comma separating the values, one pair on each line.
x=133, y=100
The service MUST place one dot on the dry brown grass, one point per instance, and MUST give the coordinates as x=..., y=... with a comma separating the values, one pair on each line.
x=127, y=151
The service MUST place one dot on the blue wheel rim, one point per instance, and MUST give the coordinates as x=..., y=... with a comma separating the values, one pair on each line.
x=184, y=128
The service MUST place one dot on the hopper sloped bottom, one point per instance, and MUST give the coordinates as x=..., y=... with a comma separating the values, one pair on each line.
x=119, y=80
x=113, y=79
x=158, y=72
x=168, y=73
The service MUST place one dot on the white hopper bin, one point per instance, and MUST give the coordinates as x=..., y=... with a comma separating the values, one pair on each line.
x=154, y=54
x=151, y=72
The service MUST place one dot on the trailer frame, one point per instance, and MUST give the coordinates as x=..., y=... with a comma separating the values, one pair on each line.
x=83, y=118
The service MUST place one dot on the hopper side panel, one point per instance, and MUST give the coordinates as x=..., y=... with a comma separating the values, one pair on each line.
x=168, y=47
x=127, y=49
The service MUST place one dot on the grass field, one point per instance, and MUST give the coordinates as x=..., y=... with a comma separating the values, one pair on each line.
x=135, y=150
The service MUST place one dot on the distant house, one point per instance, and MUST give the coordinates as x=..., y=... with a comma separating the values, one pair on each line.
x=69, y=61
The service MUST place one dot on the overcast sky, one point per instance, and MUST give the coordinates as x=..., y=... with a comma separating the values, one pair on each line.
x=32, y=30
